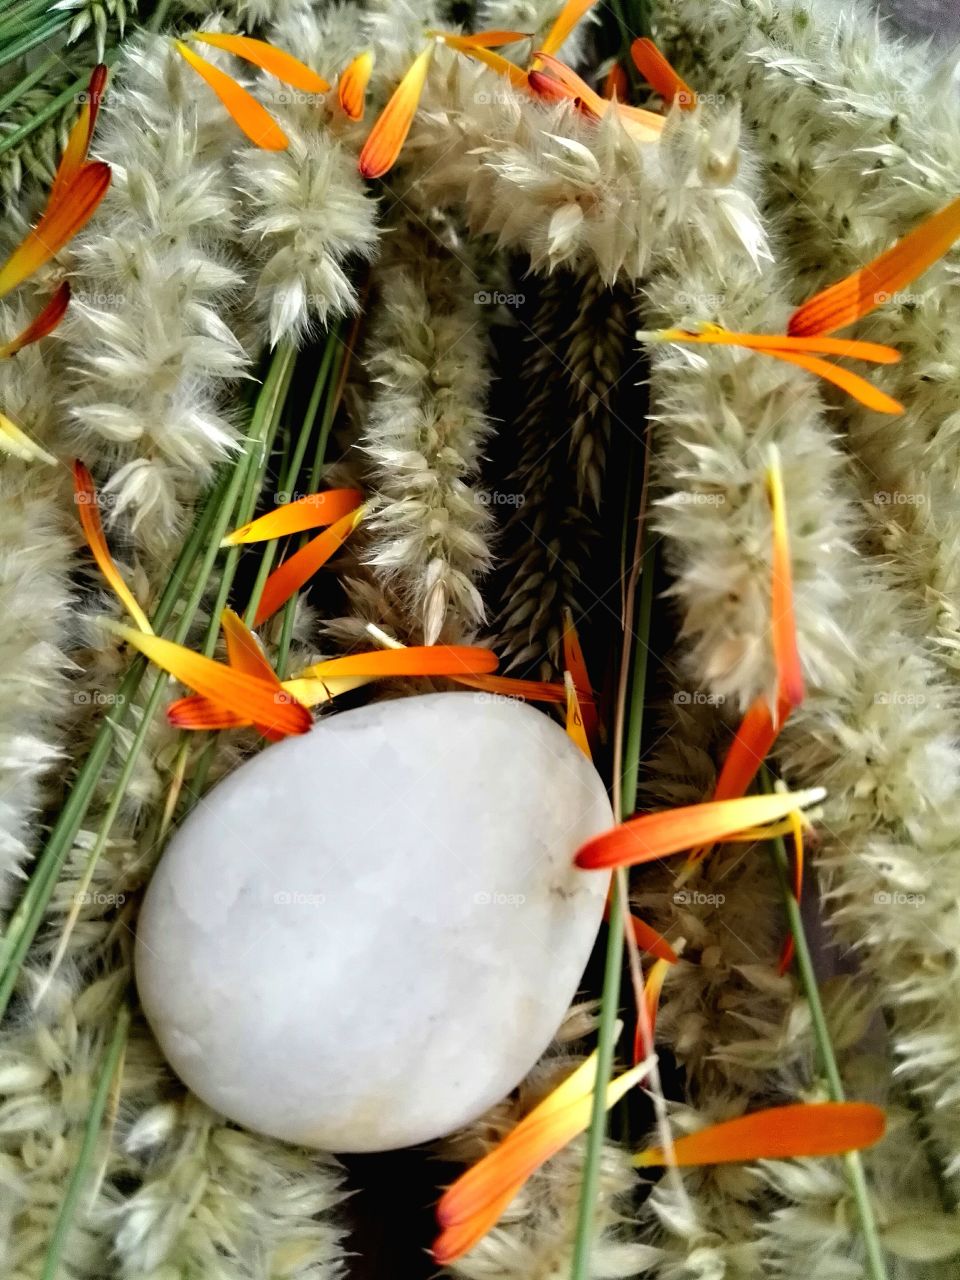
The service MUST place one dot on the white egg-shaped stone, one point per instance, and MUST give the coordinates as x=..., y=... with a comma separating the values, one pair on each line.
x=367, y=935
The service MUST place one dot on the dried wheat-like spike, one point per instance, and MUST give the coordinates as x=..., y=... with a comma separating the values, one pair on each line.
x=575, y=386
x=425, y=426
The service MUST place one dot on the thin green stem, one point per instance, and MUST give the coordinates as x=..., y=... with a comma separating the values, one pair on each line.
x=108, y=1069
x=19, y=17
x=29, y=80
x=856, y=1174
x=30, y=39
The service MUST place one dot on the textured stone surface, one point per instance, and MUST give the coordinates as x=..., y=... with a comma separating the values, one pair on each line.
x=366, y=936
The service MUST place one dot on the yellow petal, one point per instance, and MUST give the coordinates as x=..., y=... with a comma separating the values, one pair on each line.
x=659, y=835
x=575, y=663
x=19, y=445
x=352, y=89
x=43, y=323
x=249, y=697
x=388, y=135
x=310, y=512
x=858, y=294
x=277, y=62
x=59, y=224
x=285, y=581
x=245, y=111
x=567, y=19
x=88, y=507
x=652, y=988
x=779, y=1133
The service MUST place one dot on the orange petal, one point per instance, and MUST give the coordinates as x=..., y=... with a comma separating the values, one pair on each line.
x=85, y=496
x=575, y=663
x=852, y=383
x=303, y=564
x=715, y=335
x=388, y=135
x=652, y=987
x=482, y=39
x=796, y=826
x=574, y=720
x=245, y=695
x=19, y=445
x=508, y=687
x=544, y=1132
x=245, y=111
x=58, y=225
x=659, y=835
x=503, y=66
x=412, y=660
x=644, y=125
x=617, y=84
x=197, y=712
x=277, y=62
x=311, y=512
x=41, y=325
x=782, y=622
x=567, y=19
x=750, y=747
x=81, y=135
x=779, y=1133
x=658, y=73
x=857, y=294
x=453, y=1242
x=655, y=944
x=352, y=89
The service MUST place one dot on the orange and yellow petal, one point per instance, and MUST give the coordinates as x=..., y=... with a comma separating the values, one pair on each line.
x=276, y=62
x=80, y=137
x=660, y=75
x=197, y=712
x=495, y=61
x=568, y=17
x=859, y=293
x=652, y=988
x=716, y=335
x=245, y=111
x=303, y=564
x=58, y=225
x=311, y=512
x=247, y=696
x=245, y=654
x=647, y=939
x=617, y=83
x=481, y=39
x=779, y=1133
x=88, y=507
x=859, y=388
x=574, y=718
x=641, y=124
x=783, y=622
x=388, y=135
x=43, y=323
x=510, y=687
x=796, y=831
x=18, y=444
x=472, y=1205
x=352, y=88
x=575, y=663
x=412, y=660
x=660, y=835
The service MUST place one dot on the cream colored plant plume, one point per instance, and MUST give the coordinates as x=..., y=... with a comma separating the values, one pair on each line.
x=150, y=349
x=860, y=136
